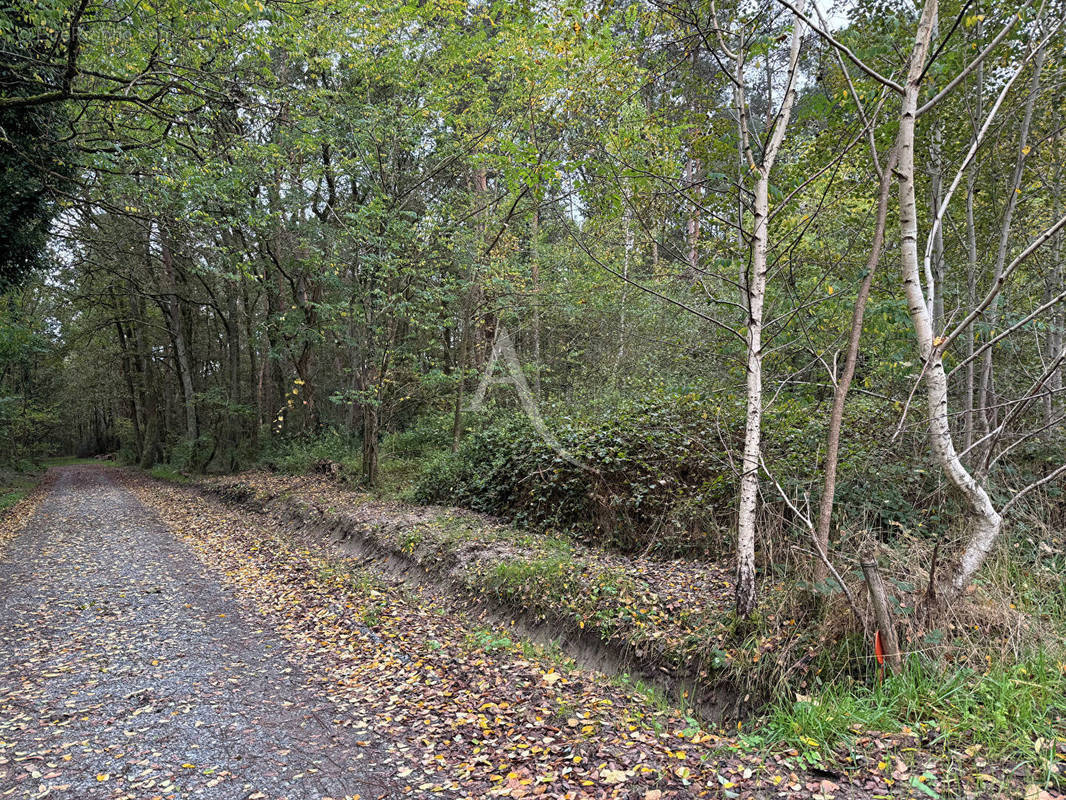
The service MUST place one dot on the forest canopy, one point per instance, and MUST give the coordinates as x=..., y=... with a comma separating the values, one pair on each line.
x=748, y=277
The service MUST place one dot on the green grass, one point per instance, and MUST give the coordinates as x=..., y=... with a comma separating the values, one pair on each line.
x=371, y=615
x=547, y=576
x=655, y=697
x=1031, y=582
x=165, y=472
x=9, y=499
x=397, y=476
x=550, y=575
x=1006, y=710
x=14, y=486
x=453, y=529
x=488, y=641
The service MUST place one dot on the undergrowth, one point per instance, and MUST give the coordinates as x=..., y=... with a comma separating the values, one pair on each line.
x=11, y=498
x=1013, y=711
x=402, y=456
x=990, y=677
x=165, y=472
x=297, y=455
x=653, y=474
x=989, y=680
x=70, y=461
x=15, y=484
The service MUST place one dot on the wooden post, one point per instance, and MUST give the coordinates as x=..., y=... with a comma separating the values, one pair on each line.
x=879, y=600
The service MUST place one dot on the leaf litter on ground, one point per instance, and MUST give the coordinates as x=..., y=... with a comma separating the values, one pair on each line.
x=470, y=710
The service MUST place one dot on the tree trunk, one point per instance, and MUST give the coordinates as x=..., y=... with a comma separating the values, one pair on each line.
x=534, y=268
x=984, y=395
x=755, y=299
x=840, y=394
x=985, y=521
x=936, y=191
x=749, y=477
x=692, y=223
x=886, y=626
x=1054, y=338
x=127, y=372
x=969, y=420
x=630, y=243
x=254, y=373
x=176, y=330
x=152, y=451
x=460, y=385
x=234, y=423
x=969, y=423
x=370, y=444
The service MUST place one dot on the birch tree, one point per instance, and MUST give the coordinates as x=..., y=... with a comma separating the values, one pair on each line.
x=984, y=520
x=760, y=166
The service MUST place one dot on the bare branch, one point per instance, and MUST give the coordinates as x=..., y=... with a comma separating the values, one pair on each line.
x=854, y=59
x=1035, y=485
x=998, y=287
x=975, y=63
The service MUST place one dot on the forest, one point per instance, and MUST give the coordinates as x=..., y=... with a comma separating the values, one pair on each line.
x=771, y=286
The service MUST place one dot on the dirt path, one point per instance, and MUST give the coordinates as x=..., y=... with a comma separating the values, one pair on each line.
x=128, y=671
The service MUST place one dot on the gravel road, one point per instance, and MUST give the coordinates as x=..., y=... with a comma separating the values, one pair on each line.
x=127, y=670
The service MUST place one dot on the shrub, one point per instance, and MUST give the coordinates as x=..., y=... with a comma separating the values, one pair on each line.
x=655, y=474
x=405, y=453
x=642, y=477
x=302, y=454
x=192, y=456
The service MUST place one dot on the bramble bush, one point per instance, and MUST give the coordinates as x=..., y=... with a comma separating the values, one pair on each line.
x=654, y=474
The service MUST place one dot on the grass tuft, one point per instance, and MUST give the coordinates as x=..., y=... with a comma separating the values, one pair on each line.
x=1004, y=710
x=165, y=472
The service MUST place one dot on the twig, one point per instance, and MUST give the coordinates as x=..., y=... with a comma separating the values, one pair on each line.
x=821, y=554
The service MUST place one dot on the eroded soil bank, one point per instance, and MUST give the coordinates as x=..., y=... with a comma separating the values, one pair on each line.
x=658, y=622
x=178, y=647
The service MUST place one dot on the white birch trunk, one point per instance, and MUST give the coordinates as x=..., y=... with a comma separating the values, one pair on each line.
x=985, y=520
x=755, y=297
x=749, y=478
x=985, y=386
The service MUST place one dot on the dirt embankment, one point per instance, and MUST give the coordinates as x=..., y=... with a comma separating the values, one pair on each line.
x=663, y=622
